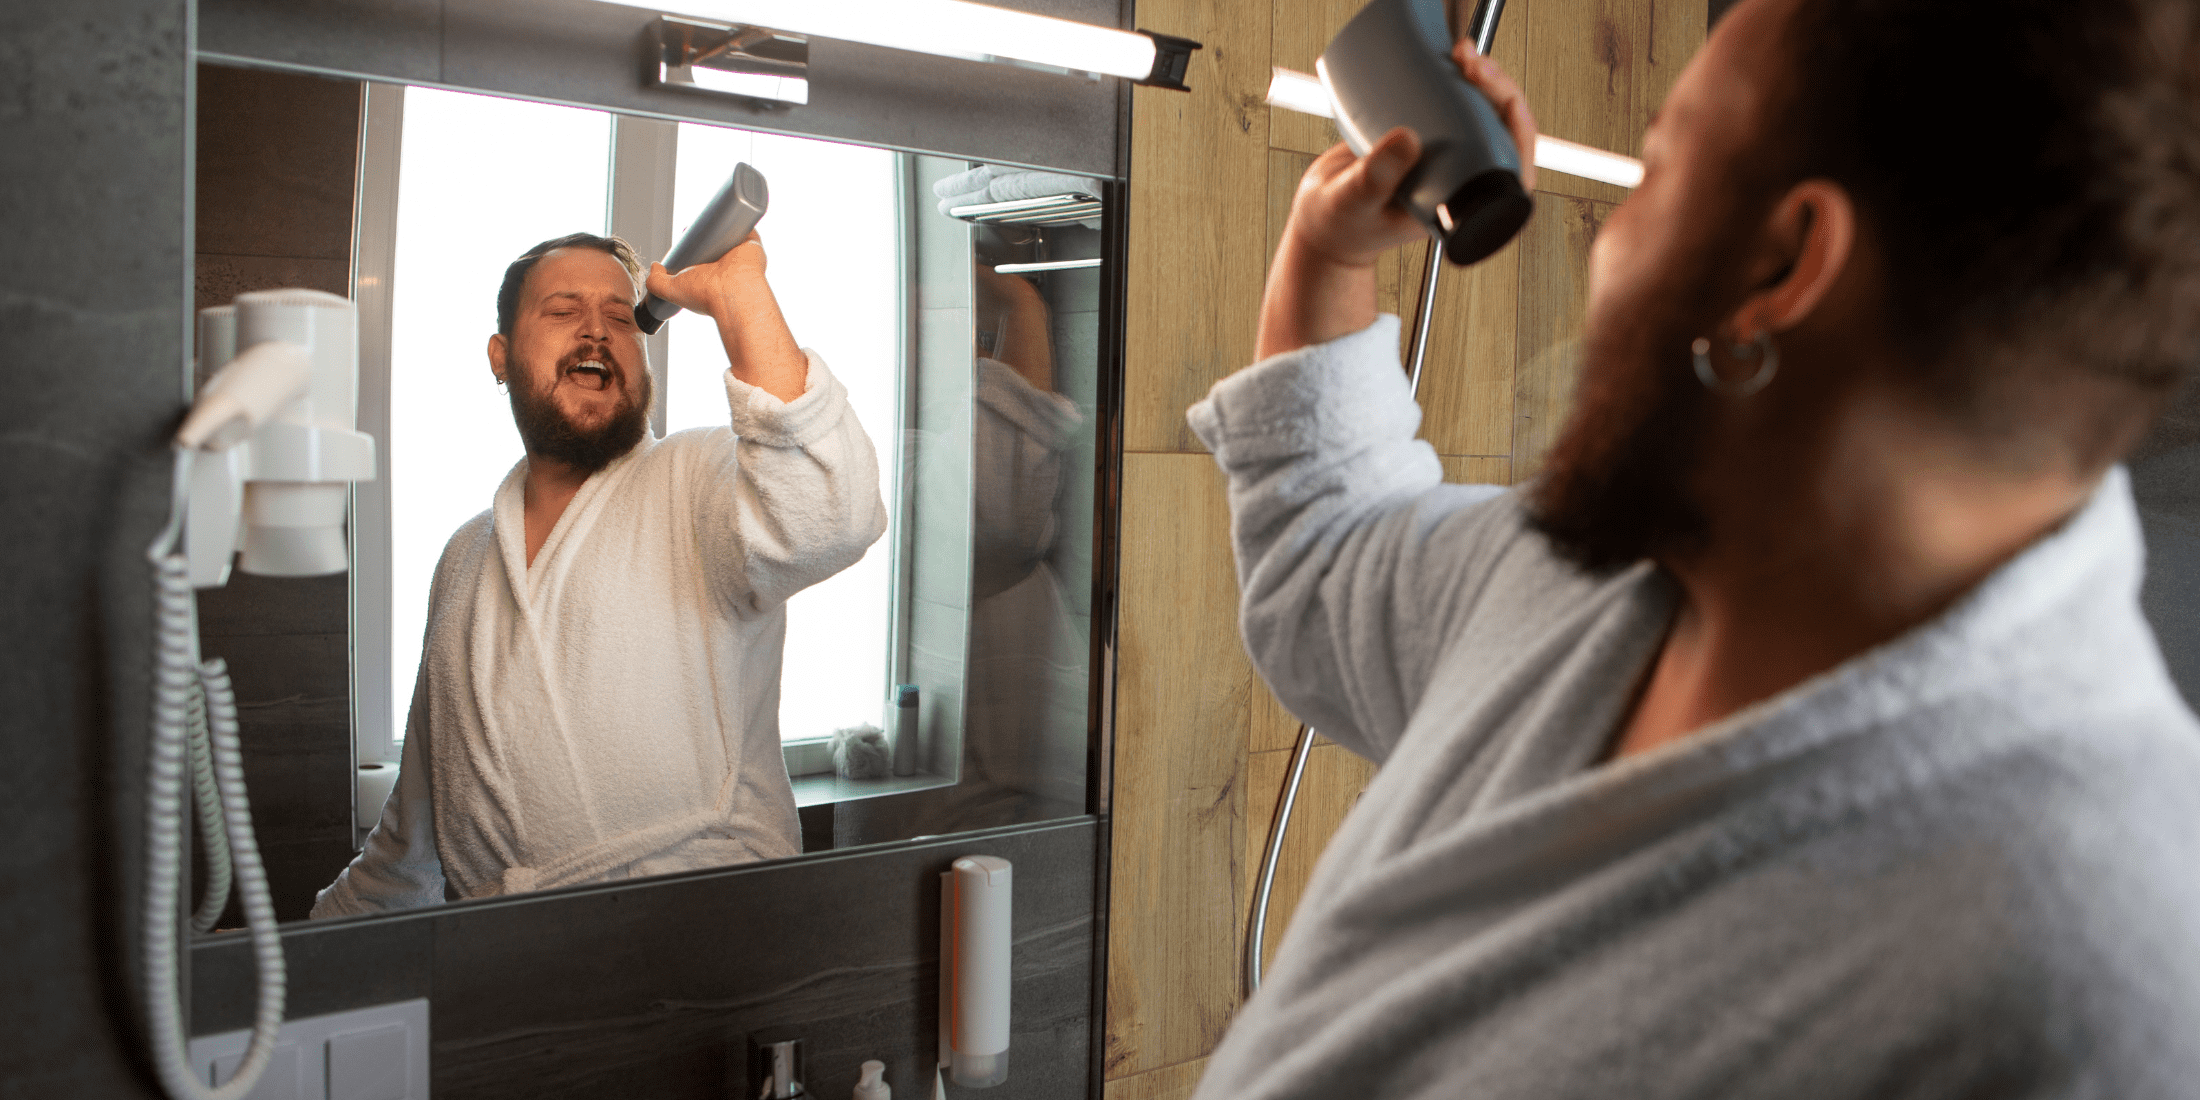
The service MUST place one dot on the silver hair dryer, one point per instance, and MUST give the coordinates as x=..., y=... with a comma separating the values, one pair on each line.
x=725, y=223
x=1391, y=66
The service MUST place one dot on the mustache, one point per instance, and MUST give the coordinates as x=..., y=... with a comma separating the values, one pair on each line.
x=585, y=352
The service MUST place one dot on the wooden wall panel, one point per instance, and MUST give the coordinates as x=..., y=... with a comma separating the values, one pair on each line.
x=1168, y=1083
x=1469, y=470
x=1332, y=785
x=1198, y=218
x=1467, y=380
x=1597, y=69
x=1554, y=290
x=1182, y=688
x=1302, y=30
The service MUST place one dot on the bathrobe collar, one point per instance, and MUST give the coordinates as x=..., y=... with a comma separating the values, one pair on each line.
x=510, y=520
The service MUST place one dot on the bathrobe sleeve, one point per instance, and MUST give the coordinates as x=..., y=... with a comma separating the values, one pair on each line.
x=1356, y=564
x=399, y=867
x=794, y=499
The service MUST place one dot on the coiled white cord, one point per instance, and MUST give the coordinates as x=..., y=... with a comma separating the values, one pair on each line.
x=182, y=687
x=213, y=824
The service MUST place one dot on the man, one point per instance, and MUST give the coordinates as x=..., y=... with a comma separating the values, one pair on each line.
x=1796, y=733
x=599, y=692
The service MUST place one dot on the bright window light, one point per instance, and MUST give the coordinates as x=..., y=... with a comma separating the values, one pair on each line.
x=949, y=28
x=474, y=191
x=830, y=239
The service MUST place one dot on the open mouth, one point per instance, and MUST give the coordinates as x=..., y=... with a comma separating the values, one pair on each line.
x=590, y=374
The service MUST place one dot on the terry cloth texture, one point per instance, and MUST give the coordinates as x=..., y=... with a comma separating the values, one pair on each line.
x=613, y=710
x=995, y=183
x=1962, y=864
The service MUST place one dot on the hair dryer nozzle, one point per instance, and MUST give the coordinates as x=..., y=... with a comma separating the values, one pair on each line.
x=1391, y=66
x=722, y=225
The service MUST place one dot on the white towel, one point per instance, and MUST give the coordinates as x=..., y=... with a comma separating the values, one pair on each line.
x=994, y=183
x=612, y=710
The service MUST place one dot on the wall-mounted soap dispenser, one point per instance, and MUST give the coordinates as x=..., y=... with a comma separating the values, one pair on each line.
x=974, y=970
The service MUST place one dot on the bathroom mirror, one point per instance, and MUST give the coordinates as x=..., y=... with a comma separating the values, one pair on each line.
x=958, y=303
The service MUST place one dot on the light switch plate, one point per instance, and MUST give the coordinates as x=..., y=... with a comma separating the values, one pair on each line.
x=377, y=1053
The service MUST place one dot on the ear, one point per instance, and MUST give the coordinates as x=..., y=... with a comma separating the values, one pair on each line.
x=499, y=348
x=1809, y=237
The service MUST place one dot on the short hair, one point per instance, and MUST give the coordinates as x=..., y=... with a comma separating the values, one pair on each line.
x=2030, y=170
x=515, y=274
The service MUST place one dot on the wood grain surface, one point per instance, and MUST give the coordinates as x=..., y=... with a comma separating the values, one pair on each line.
x=1198, y=223
x=1183, y=684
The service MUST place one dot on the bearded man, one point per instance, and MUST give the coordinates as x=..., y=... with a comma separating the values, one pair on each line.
x=598, y=694
x=1796, y=733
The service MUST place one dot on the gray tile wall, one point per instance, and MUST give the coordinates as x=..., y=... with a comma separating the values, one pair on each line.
x=653, y=990
x=94, y=184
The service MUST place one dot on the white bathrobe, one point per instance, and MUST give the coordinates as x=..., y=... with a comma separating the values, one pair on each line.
x=1959, y=865
x=612, y=710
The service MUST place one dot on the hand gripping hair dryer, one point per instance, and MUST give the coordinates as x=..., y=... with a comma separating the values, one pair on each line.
x=1391, y=66
x=725, y=223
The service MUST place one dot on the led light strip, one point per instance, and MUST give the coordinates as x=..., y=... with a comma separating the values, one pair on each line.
x=1297, y=91
x=1047, y=265
x=949, y=28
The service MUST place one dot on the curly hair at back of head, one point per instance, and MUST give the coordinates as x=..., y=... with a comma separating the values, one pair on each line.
x=2030, y=172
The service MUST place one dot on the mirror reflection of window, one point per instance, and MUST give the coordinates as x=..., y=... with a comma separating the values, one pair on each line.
x=480, y=180
x=831, y=242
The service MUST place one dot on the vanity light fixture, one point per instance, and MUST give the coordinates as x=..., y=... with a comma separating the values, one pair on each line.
x=947, y=28
x=1297, y=91
x=1047, y=265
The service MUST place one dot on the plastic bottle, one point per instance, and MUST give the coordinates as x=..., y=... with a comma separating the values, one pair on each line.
x=873, y=1084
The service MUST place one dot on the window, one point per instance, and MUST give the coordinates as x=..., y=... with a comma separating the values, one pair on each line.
x=481, y=179
x=476, y=187
x=831, y=246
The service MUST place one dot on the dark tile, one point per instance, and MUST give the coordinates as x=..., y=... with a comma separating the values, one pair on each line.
x=331, y=966
x=251, y=604
x=650, y=989
x=278, y=154
x=218, y=279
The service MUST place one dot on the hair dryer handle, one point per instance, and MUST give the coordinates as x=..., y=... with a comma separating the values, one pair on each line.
x=724, y=224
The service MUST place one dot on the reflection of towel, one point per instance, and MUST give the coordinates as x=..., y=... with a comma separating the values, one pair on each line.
x=611, y=710
x=1960, y=864
x=993, y=183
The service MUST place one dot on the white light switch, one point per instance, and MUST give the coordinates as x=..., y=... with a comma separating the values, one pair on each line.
x=369, y=1064
x=377, y=1053
x=279, y=1082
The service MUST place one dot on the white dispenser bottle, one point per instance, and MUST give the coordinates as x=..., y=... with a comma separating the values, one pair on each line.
x=974, y=970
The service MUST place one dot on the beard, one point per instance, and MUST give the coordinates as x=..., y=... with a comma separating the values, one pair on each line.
x=549, y=434
x=1617, y=486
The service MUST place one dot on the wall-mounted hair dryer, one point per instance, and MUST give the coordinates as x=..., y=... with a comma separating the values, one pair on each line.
x=277, y=423
x=726, y=222
x=267, y=449
x=1391, y=66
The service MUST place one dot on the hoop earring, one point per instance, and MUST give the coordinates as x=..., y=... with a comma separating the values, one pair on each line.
x=1767, y=351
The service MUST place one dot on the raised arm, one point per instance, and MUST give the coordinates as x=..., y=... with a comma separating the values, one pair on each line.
x=792, y=497
x=1355, y=565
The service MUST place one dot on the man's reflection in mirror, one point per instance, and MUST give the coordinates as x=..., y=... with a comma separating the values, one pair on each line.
x=1024, y=751
x=1025, y=688
x=598, y=694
